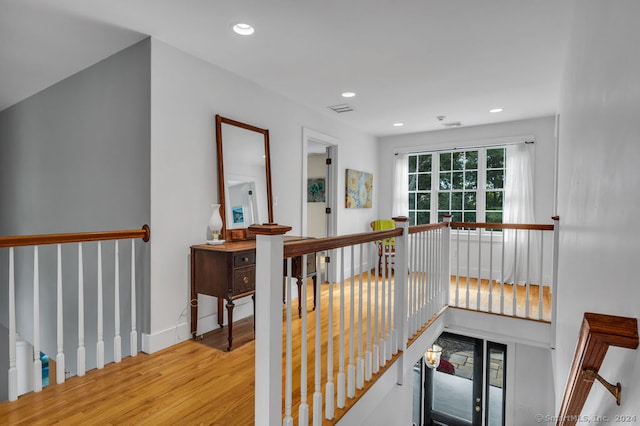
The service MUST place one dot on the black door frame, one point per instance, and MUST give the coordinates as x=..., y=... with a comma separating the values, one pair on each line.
x=480, y=384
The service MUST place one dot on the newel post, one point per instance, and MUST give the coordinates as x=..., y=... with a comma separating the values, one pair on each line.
x=400, y=291
x=554, y=278
x=268, y=322
x=445, y=262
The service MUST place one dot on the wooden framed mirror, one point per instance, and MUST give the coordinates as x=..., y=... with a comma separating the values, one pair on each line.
x=244, y=177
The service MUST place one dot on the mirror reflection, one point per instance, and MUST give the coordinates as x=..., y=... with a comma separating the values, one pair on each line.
x=244, y=176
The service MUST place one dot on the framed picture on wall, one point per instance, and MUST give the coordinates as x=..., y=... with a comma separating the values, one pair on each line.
x=316, y=190
x=359, y=186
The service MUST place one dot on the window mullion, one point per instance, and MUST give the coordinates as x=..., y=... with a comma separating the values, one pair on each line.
x=435, y=187
x=481, y=197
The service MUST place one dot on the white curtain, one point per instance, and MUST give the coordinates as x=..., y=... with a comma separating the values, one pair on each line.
x=400, y=201
x=518, y=208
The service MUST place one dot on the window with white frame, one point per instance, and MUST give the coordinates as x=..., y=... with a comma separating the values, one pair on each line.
x=467, y=184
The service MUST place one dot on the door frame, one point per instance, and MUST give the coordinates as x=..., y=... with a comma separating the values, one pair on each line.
x=482, y=345
x=310, y=135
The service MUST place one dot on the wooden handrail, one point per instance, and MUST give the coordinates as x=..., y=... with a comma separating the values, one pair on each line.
x=35, y=240
x=427, y=227
x=597, y=333
x=308, y=246
x=533, y=226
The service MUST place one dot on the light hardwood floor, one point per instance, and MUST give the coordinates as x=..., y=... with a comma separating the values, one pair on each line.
x=192, y=383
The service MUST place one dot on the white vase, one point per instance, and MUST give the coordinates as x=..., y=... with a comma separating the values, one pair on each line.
x=215, y=221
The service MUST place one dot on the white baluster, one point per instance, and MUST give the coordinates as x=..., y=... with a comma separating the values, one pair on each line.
x=466, y=303
x=288, y=420
x=457, y=266
x=341, y=375
x=504, y=231
x=426, y=277
x=479, y=268
x=490, y=306
x=317, y=395
x=303, y=409
x=81, y=353
x=527, y=283
x=351, y=368
x=329, y=387
x=368, y=354
x=427, y=282
x=413, y=286
x=360, y=359
x=444, y=280
x=13, y=370
x=117, y=344
x=540, y=286
x=133, y=335
x=515, y=274
x=383, y=319
x=376, y=333
x=391, y=334
x=60, y=365
x=100, y=343
x=37, y=363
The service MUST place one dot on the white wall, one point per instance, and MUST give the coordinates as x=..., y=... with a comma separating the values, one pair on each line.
x=598, y=191
x=186, y=94
x=75, y=158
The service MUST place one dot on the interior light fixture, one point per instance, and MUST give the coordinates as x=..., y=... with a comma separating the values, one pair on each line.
x=432, y=356
x=398, y=124
x=496, y=110
x=348, y=94
x=243, y=29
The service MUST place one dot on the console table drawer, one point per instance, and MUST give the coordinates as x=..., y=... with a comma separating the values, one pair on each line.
x=244, y=280
x=245, y=258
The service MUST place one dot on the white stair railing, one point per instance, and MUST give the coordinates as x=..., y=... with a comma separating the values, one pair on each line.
x=361, y=321
x=59, y=239
x=507, y=269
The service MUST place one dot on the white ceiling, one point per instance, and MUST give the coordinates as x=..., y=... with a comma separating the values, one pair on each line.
x=408, y=60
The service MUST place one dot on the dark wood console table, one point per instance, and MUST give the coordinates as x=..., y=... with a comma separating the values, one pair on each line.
x=228, y=272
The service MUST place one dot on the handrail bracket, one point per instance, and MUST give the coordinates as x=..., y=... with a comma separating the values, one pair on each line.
x=590, y=373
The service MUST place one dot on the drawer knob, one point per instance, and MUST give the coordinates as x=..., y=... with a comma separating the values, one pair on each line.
x=245, y=280
x=245, y=259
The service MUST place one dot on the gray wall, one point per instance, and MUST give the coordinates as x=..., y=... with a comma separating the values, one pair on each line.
x=74, y=158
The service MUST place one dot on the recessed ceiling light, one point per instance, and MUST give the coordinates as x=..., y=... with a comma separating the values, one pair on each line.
x=496, y=110
x=398, y=124
x=243, y=29
x=348, y=94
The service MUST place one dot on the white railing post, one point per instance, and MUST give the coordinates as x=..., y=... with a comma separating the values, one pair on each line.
x=303, y=409
x=81, y=353
x=133, y=335
x=317, y=394
x=13, y=370
x=100, y=342
x=268, y=323
x=445, y=278
x=554, y=279
x=60, y=365
x=400, y=321
x=37, y=363
x=117, y=341
x=341, y=379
